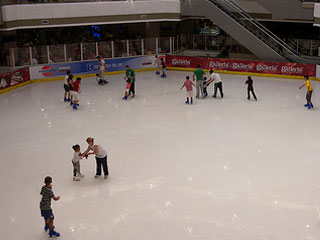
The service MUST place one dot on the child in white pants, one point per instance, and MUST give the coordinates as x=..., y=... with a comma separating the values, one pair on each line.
x=76, y=163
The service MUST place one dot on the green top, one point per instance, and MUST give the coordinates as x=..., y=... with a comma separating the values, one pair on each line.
x=130, y=74
x=199, y=74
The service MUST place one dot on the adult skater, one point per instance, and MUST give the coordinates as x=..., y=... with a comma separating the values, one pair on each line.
x=249, y=82
x=218, y=83
x=101, y=157
x=157, y=63
x=130, y=75
x=309, y=91
x=45, y=206
x=102, y=70
x=198, y=76
x=66, y=87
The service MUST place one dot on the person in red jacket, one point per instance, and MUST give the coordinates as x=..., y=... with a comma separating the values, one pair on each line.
x=76, y=93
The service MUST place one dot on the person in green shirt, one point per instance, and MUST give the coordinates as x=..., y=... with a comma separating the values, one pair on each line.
x=130, y=74
x=198, y=74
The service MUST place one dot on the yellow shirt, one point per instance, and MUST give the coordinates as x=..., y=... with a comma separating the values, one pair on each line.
x=308, y=85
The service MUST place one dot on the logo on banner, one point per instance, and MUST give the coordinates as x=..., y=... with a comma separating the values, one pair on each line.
x=92, y=67
x=64, y=68
x=181, y=62
x=47, y=71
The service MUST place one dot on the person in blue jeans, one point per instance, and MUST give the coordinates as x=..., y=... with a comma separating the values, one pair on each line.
x=45, y=206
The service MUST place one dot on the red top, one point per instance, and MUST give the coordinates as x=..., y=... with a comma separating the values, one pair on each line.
x=76, y=85
x=188, y=85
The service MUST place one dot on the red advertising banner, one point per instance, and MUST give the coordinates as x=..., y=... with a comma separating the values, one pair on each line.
x=14, y=78
x=291, y=69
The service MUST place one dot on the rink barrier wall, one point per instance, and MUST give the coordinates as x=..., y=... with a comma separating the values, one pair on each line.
x=57, y=71
x=15, y=79
x=245, y=73
x=244, y=67
x=89, y=75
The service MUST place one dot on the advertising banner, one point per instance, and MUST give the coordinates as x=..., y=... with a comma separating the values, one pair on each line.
x=87, y=67
x=291, y=69
x=14, y=78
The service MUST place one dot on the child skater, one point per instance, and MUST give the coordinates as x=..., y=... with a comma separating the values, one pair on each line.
x=45, y=206
x=205, y=85
x=188, y=84
x=309, y=91
x=250, y=88
x=76, y=163
x=66, y=87
x=75, y=93
x=70, y=85
x=157, y=63
x=128, y=86
x=163, y=68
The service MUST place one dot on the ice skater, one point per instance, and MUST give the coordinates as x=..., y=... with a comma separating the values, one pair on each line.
x=76, y=163
x=188, y=84
x=218, y=83
x=75, y=93
x=130, y=75
x=66, y=87
x=198, y=76
x=249, y=82
x=101, y=157
x=126, y=93
x=70, y=87
x=157, y=63
x=102, y=70
x=45, y=206
x=309, y=91
x=205, y=85
x=163, y=65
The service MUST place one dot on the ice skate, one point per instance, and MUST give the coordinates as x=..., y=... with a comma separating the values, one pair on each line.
x=75, y=106
x=65, y=100
x=306, y=105
x=53, y=234
x=76, y=179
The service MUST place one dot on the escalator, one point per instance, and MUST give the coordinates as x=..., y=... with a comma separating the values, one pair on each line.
x=245, y=29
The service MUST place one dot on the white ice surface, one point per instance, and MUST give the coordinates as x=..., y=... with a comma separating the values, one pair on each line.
x=225, y=169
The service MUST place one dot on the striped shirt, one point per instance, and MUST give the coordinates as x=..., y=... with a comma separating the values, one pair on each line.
x=47, y=194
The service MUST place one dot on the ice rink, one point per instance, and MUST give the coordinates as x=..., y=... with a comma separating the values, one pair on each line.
x=225, y=169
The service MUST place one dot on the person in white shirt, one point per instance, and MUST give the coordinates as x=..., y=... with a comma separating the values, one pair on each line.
x=101, y=157
x=76, y=163
x=218, y=83
x=66, y=87
x=102, y=69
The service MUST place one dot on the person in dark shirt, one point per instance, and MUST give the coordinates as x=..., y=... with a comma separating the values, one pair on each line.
x=45, y=206
x=249, y=82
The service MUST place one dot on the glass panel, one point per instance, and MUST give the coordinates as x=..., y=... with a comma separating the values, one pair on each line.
x=150, y=46
x=21, y=56
x=105, y=49
x=73, y=52
x=135, y=47
x=39, y=55
x=199, y=42
x=56, y=53
x=187, y=41
x=164, y=45
x=89, y=50
x=120, y=48
x=213, y=43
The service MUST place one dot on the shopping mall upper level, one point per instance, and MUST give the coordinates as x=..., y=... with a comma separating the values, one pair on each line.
x=257, y=25
x=22, y=14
